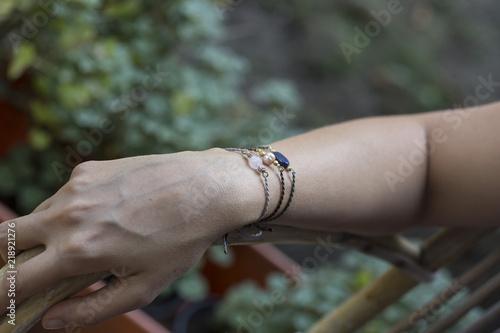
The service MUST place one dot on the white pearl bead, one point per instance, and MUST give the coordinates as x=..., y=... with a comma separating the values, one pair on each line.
x=268, y=159
x=255, y=162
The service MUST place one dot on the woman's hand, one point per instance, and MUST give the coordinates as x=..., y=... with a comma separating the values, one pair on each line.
x=146, y=220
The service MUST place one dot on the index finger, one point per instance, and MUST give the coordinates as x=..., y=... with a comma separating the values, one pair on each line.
x=21, y=234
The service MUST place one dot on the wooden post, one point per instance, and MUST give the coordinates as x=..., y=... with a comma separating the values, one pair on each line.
x=396, y=250
x=33, y=308
x=466, y=279
x=392, y=249
x=482, y=293
x=489, y=317
x=438, y=251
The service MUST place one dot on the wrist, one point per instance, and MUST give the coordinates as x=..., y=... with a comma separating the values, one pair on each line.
x=242, y=189
x=223, y=192
x=249, y=190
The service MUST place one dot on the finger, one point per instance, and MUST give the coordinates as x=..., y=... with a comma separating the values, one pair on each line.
x=28, y=281
x=21, y=234
x=21, y=281
x=122, y=295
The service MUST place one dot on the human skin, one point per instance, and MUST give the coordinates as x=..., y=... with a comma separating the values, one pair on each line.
x=148, y=219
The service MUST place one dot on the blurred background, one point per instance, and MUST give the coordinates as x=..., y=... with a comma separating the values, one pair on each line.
x=94, y=79
x=99, y=79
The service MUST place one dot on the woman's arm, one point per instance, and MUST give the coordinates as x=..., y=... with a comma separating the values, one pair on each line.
x=383, y=174
x=149, y=219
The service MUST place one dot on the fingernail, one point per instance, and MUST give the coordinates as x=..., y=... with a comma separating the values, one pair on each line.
x=53, y=324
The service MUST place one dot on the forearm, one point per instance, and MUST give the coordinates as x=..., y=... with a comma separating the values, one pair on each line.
x=384, y=174
x=342, y=175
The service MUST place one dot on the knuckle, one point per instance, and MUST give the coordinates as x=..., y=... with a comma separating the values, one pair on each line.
x=79, y=183
x=75, y=246
x=84, y=167
x=74, y=212
x=77, y=209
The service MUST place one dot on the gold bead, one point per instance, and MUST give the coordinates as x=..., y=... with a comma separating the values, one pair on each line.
x=289, y=168
x=276, y=163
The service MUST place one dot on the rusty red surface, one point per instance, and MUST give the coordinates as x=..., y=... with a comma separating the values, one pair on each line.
x=13, y=126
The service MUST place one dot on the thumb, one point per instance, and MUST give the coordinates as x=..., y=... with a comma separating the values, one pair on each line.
x=122, y=295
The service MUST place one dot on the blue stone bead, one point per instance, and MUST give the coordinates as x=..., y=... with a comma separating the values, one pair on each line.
x=282, y=160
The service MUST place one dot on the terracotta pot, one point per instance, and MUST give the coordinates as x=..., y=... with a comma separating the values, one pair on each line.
x=132, y=322
x=13, y=126
x=253, y=262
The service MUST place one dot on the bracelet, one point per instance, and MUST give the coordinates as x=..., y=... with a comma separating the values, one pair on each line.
x=267, y=156
x=282, y=163
x=255, y=162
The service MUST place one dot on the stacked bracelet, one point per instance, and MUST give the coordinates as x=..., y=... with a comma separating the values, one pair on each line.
x=266, y=155
x=271, y=156
x=255, y=162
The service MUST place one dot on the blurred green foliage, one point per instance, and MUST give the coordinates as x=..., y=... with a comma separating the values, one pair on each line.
x=294, y=304
x=110, y=79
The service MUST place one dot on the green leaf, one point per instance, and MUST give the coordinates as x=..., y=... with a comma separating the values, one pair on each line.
x=6, y=8
x=39, y=139
x=23, y=58
x=7, y=180
x=193, y=287
x=123, y=9
x=361, y=279
x=42, y=114
x=74, y=95
x=182, y=103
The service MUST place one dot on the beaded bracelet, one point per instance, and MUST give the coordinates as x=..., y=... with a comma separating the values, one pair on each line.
x=282, y=163
x=267, y=156
x=255, y=162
